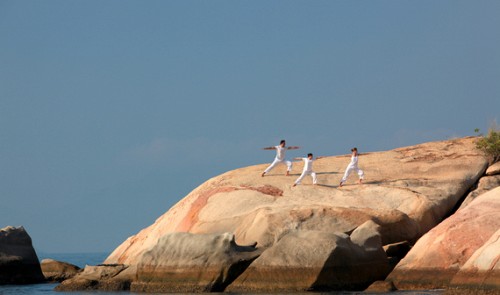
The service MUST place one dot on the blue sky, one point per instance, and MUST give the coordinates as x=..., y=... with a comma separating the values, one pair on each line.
x=112, y=111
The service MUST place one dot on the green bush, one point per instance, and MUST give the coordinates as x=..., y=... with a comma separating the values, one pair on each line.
x=490, y=144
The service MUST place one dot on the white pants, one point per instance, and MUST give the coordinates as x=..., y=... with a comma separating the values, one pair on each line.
x=304, y=173
x=349, y=170
x=276, y=162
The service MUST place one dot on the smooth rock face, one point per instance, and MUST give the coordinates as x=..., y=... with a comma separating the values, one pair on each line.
x=315, y=260
x=18, y=260
x=482, y=270
x=493, y=169
x=485, y=184
x=407, y=191
x=58, y=271
x=465, y=240
x=183, y=262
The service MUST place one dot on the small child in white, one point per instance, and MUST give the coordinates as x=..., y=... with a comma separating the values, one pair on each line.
x=353, y=166
x=307, y=169
x=280, y=157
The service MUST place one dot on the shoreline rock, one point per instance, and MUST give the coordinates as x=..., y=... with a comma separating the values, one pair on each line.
x=407, y=192
x=18, y=260
x=184, y=262
x=99, y=277
x=457, y=251
x=58, y=271
x=317, y=261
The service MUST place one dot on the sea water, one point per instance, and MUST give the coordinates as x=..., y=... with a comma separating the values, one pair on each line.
x=82, y=259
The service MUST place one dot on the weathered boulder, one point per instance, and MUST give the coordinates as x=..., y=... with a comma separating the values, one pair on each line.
x=485, y=184
x=105, y=277
x=442, y=252
x=18, y=260
x=407, y=191
x=493, y=169
x=58, y=271
x=316, y=260
x=179, y=262
x=482, y=270
x=183, y=262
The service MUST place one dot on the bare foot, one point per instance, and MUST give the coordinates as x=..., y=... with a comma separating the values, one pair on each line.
x=361, y=181
x=288, y=173
x=340, y=185
x=263, y=173
x=294, y=185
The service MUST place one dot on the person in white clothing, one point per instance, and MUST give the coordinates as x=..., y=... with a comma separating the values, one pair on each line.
x=280, y=157
x=353, y=166
x=307, y=169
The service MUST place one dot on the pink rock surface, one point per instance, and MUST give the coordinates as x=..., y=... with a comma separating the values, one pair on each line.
x=467, y=241
x=407, y=191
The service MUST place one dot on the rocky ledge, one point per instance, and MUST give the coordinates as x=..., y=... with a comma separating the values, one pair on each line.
x=308, y=237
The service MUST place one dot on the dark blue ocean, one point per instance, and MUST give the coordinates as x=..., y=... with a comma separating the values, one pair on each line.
x=82, y=259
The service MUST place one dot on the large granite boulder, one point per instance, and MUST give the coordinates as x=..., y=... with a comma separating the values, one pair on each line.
x=183, y=262
x=58, y=271
x=465, y=241
x=314, y=260
x=179, y=262
x=18, y=260
x=482, y=270
x=485, y=184
x=407, y=191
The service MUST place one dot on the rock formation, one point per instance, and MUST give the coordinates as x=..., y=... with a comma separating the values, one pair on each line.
x=184, y=262
x=18, y=260
x=485, y=184
x=493, y=169
x=315, y=260
x=100, y=277
x=58, y=271
x=407, y=192
x=179, y=262
x=466, y=243
x=482, y=270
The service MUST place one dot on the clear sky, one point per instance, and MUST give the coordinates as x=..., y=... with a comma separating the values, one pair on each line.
x=112, y=111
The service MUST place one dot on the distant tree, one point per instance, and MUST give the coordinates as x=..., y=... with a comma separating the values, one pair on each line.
x=490, y=144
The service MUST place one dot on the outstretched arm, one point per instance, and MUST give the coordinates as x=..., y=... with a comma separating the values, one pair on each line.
x=297, y=159
x=269, y=148
x=293, y=148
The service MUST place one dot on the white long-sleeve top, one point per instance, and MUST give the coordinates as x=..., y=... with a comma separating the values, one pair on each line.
x=280, y=152
x=354, y=161
x=308, y=164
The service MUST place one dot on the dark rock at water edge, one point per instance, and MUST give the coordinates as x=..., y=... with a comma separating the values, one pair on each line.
x=18, y=260
x=100, y=277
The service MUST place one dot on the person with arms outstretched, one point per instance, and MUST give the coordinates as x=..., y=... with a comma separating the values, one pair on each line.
x=280, y=157
x=307, y=169
x=353, y=166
